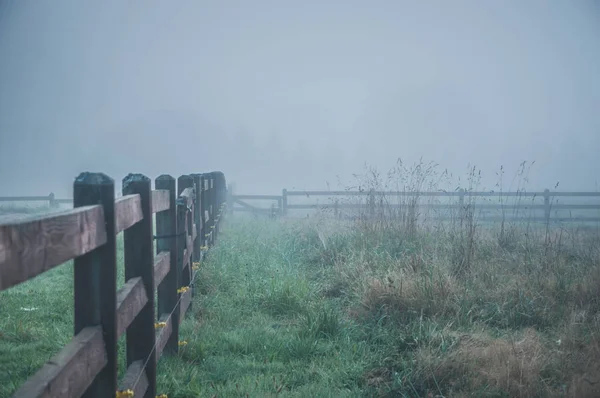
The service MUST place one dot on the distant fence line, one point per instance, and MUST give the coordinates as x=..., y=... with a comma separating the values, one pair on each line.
x=52, y=201
x=187, y=224
x=384, y=199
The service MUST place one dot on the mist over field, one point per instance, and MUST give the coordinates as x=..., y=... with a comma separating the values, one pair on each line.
x=281, y=94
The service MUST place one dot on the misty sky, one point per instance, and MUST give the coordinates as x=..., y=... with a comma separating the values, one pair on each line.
x=292, y=94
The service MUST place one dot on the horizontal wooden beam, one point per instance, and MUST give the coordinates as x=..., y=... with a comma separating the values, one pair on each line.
x=30, y=247
x=131, y=298
x=436, y=193
x=70, y=372
x=449, y=206
x=574, y=207
x=252, y=210
x=135, y=379
x=24, y=198
x=257, y=197
x=525, y=219
x=162, y=265
x=128, y=211
x=163, y=334
x=160, y=200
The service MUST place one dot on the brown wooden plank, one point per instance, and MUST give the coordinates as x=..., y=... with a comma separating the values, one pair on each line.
x=131, y=298
x=95, y=279
x=128, y=211
x=32, y=246
x=164, y=334
x=70, y=372
x=135, y=379
x=139, y=261
x=162, y=265
x=186, y=300
x=161, y=200
x=166, y=225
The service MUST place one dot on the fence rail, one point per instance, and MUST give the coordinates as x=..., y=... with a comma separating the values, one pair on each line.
x=87, y=234
x=280, y=204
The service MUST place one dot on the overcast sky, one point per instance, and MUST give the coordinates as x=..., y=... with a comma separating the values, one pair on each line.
x=292, y=94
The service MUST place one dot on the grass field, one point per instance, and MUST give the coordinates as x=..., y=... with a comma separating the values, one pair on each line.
x=323, y=308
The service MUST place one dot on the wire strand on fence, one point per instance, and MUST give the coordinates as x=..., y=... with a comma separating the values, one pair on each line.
x=183, y=290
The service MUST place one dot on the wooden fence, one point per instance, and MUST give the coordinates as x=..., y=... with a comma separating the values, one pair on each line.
x=187, y=224
x=517, y=206
x=51, y=199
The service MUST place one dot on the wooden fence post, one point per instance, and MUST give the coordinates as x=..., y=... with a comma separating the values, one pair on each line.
x=462, y=211
x=52, y=203
x=212, y=203
x=95, y=277
x=217, y=201
x=284, y=202
x=139, y=262
x=204, y=210
x=372, y=203
x=230, y=199
x=166, y=230
x=211, y=208
x=197, y=254
x=184, y=228
x=218, y=185
x=547, y=205
x=222, y=184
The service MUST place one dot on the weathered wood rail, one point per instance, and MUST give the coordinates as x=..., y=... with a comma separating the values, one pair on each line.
x=187, y=224
x=517, y=206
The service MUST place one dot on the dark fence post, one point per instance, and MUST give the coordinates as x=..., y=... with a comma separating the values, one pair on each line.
x=139, y=262
x=372, y=203
x=166, y=230
x=197, y=254
x=95, y=277
x=184, y=228
x=222, y=183
x=547, y=205
x=211, y=210
x=230, y=199
x=284, y=202
x=462, y=211
x=204, y=211
x=52, y=203
x=218, y=197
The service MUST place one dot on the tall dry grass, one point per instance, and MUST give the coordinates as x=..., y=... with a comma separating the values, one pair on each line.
x=507, y=308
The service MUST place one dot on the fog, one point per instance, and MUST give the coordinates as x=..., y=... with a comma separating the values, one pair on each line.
x=282, y=94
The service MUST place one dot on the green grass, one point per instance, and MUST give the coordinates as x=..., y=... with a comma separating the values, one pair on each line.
x=369, y=308
x=36, y=321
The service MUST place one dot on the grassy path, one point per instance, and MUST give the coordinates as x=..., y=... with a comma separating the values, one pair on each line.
x=263, y=326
